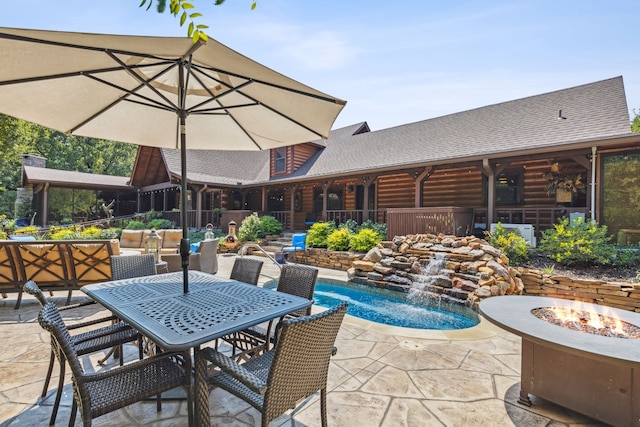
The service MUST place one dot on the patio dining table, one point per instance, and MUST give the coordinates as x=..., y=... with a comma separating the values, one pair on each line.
x=176, y=321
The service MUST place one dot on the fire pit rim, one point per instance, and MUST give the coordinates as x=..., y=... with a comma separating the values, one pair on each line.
x=513, y=313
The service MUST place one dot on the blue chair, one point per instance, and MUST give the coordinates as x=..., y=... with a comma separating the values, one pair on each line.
x=298, y=244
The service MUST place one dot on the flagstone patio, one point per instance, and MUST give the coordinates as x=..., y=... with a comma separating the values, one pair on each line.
x=381, y=376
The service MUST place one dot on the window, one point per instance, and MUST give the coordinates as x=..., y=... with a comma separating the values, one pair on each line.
x=509, y=188
x=621, y=190
x=280, y=160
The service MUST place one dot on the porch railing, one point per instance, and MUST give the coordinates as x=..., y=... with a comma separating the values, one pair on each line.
x=542, y=218
x=341, y=216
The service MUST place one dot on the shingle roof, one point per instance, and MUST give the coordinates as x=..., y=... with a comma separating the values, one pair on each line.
x=589, y=112
x=57, y=177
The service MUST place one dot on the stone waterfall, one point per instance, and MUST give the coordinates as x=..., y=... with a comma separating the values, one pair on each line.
x=460, y=270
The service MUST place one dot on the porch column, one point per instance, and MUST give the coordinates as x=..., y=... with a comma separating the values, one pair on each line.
x=292, y=207
x=492, y=171
x=491, y=191
x=419, y=178
x=263, y=200
x=366, y=183
x=591, y=203
x=325, y=191
x=45, y=204
x=199, y=194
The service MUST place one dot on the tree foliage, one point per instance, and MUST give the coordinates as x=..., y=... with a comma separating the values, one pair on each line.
x=185, y=11
x=635, y=123
x=71, y=153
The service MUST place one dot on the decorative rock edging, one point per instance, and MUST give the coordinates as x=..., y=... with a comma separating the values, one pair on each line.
x=625, y=296
x=471, y=269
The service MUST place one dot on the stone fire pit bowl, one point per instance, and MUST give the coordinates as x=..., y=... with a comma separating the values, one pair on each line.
x=598, y=376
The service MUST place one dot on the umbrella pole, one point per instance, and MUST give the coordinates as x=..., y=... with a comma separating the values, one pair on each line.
x=184, y=242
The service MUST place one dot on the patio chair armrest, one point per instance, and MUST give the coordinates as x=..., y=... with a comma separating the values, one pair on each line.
x=78, y=305
x=236, y=370
x=101, y=375
x=92, y=322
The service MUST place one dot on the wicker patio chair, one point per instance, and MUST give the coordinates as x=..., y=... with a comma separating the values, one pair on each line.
x=102, y=338
x=129, y=266
x=295, y=369
x=205, y=259
x=295, y=279
x=96, y=394
x=246, y=270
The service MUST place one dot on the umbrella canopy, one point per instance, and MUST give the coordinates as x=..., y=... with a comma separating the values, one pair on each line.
x=157, y=91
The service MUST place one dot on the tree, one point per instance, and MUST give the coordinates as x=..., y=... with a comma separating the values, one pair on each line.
x=189, y=14
x=635, y=123
x=72, y=153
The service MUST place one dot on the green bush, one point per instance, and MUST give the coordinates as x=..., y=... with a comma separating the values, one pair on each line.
x=249, y=228
x=160, y=224
x=513, y=245
x=379, y=228
x=318, y=234
x=581, y=243
x=135, y=225
x=364, y=240
x=351, y=225
x=339, y=239
x=269, y=226
x=89, y=233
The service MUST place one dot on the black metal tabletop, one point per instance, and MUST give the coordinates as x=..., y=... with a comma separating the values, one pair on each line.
x=176, y=321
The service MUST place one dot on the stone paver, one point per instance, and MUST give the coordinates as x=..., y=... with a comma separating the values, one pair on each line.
x=381, y=376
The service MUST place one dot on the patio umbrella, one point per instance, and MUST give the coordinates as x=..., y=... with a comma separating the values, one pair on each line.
x=157, y=91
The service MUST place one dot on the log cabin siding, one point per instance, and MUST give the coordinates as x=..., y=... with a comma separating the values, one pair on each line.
x=395, y=191
x=461, y=187
x=302, y=153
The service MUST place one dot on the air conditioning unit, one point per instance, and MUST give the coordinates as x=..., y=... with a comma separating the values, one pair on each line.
x=525, y=230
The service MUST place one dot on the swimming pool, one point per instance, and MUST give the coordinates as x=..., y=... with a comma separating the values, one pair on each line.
x=391, y=307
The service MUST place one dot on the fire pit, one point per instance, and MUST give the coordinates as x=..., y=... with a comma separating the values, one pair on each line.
x=593, y=370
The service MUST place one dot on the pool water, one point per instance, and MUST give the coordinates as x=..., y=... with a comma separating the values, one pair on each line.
x=391, y=307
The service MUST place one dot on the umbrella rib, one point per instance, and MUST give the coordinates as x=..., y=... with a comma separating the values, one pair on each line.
x=132, y=92
x=76, y=46
x=72, y=74
x=276, y=86
x=143, y=81
x=238, y=89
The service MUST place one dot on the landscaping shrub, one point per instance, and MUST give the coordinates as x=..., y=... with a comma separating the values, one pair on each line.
x=351, y=225
x=513, y=245
x=160, y=224
x=318, y=234
x=339, y=239
x=582, y=242
x=89, y=233
x=254, y=227
x=249, y=228
x=135, y=225
x=364, y=240
x=269, y=226
x=64, y=233
x=379, y=228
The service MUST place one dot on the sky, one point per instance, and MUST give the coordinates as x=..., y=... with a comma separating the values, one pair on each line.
x=394, y=62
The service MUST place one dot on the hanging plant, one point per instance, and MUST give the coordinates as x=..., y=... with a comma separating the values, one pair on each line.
x=557, y=182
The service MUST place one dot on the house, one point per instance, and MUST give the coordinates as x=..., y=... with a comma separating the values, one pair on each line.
x=508, y=162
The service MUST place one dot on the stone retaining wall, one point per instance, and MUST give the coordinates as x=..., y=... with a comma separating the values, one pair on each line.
x=336, y=260
x=625, y=296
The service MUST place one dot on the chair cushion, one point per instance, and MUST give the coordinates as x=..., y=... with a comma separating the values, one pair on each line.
x=131, y=238
x=171, y=239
